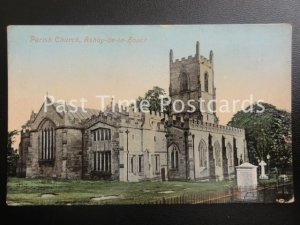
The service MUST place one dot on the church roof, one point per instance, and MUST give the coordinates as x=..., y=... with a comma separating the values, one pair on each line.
x=79, y=114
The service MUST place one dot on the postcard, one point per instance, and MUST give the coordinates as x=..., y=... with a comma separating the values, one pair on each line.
x=149, y=114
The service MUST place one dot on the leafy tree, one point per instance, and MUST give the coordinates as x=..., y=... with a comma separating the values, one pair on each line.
x=12, y=155
x=153, y=97
x=267, y=132
x=26, y=125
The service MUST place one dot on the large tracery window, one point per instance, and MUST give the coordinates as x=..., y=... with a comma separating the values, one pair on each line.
x=102, y=161
x=47, y=141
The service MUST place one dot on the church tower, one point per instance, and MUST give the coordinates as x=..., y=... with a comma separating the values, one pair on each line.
x=192, y=78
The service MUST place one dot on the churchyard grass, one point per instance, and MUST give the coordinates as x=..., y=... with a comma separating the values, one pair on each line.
x=21, y=191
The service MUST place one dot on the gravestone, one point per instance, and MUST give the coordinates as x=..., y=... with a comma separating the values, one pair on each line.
x=246, y=175
x=263, y=174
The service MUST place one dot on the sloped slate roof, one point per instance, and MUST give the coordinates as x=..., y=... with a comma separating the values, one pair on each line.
x=79, y=114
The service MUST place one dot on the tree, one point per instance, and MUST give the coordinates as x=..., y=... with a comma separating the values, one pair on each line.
x=12, y=155
x=153, y=97
x=267, y=132
x=26, y=125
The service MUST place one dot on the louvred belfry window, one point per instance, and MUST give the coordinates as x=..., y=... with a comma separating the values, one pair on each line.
x=184, y=82
x=206, y=82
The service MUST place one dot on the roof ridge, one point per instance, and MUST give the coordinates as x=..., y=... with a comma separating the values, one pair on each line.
x=79, y=107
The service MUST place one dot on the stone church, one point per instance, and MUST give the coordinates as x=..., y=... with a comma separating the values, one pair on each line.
x=126, y=145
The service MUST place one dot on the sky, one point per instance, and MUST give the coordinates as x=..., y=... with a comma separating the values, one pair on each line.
x=129, y=60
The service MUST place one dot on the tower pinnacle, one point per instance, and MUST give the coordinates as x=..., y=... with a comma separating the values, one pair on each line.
x=197, y=49
x=211, y=56
x=171, y=55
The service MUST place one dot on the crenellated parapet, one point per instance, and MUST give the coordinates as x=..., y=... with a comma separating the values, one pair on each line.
x=155, y=121
x=131, y=122
x=210, y=127
x=197, y=58
x=205, y=61
x=191, y=59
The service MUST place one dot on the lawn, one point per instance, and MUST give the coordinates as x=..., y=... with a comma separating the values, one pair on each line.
x=24, y=191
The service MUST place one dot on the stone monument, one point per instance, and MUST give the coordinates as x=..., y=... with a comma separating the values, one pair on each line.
x=246, y=175
x=263, y=175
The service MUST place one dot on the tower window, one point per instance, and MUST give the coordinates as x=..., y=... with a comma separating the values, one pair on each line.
x=206, y=82
x=183, y=82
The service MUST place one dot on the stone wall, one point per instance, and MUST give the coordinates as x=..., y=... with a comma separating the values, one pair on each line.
x=23, y=153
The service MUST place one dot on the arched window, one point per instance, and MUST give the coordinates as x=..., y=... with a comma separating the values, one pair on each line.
x=183, y=82
x=47, y=140
x=202, y=154
x=217, y=153
x=174, y=157
x=206, y=82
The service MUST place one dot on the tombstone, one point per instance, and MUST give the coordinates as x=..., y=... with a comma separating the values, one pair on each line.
x=246, y=175
x=263, y=175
